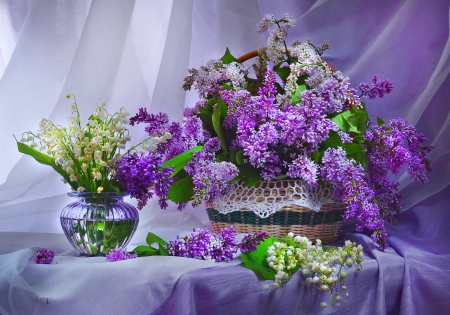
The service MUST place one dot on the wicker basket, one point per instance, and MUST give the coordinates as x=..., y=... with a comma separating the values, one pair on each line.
x=324, y=224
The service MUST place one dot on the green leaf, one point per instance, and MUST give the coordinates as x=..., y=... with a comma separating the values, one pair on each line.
x=317, y=156
x=256, y=260
x=249, y=174
x=152, y=239
x=162, y=250
x=283, y=72
x=279, y=88
x=296, y=98
x=333, y=140
x=210, y=105
x=352, y=148
x=357, y=152
x=361, y=118
x=222, y=106
x=179, y=161
x=363, y=160
x=228, y=57
x=227, y=86
x=45, y=160
x=144, y=251
x=302, y=79
x=380, y=122
x=217, y=124
x=240, y=157
x=182, y=190
x=206, y=118
x=346, y=121
x=232, y=155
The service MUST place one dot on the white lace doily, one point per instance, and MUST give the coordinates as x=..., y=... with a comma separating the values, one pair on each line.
x=268, y=197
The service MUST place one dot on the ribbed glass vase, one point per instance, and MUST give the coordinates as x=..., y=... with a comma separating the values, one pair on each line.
x=96, y=223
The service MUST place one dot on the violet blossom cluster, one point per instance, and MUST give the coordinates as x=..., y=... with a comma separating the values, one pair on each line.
x=278, y=139
x=118, y=254
x=377, y=89
x=351, y=185
x=391, y=147
x=209, y=78
x=178, y=137
x=144, y=176
x=44, y=256
x=202, y=244
x=250, y=241
x=370, y=195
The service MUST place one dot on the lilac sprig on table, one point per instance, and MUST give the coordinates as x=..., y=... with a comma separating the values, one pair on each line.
x=44, y=256
x=202, y=244
x=119, y=254
x=250, y=241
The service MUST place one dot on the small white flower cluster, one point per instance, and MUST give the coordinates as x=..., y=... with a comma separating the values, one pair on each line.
x=87, y=154
x=151, y=143
x=277, y=35
x=308, y=60
x=325, y=267
x=208, y=79
x=236, y=72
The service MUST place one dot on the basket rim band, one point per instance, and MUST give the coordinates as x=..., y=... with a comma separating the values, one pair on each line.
x=278, y=218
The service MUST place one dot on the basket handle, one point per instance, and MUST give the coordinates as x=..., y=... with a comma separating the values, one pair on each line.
x=262, y=50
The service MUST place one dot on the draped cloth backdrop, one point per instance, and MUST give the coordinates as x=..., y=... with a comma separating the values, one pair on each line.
x=136, y=54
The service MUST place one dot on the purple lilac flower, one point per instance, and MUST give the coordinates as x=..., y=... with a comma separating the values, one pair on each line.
x=44, y=256
x=143, y=176
x=182, y=136
x=352, y=186
x=305, y=168
x=118, y=254
x=155, y=122
x=325, y=45
x=210, y=178
x=250, y=241
x=238, y=102
x=377, y=88
x=397, y=144
x=345, y=137
x=306, y=126
x=202, y=244
x=211, y=181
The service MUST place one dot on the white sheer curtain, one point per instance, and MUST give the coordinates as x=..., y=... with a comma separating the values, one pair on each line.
x=125, y=53
x=136, y=53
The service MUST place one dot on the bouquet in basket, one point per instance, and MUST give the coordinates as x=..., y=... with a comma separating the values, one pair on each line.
x=289, y=116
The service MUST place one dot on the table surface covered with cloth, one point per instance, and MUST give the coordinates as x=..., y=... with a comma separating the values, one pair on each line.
x=410, y=277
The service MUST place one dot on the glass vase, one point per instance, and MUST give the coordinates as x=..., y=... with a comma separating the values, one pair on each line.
x=96, y=223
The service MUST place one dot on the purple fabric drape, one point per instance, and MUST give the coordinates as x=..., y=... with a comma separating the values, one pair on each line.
x=410, y=277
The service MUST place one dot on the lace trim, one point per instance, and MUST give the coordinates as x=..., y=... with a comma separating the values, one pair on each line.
x=268, y=197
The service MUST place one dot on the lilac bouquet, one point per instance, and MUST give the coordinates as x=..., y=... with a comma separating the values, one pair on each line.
x=295, y=118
